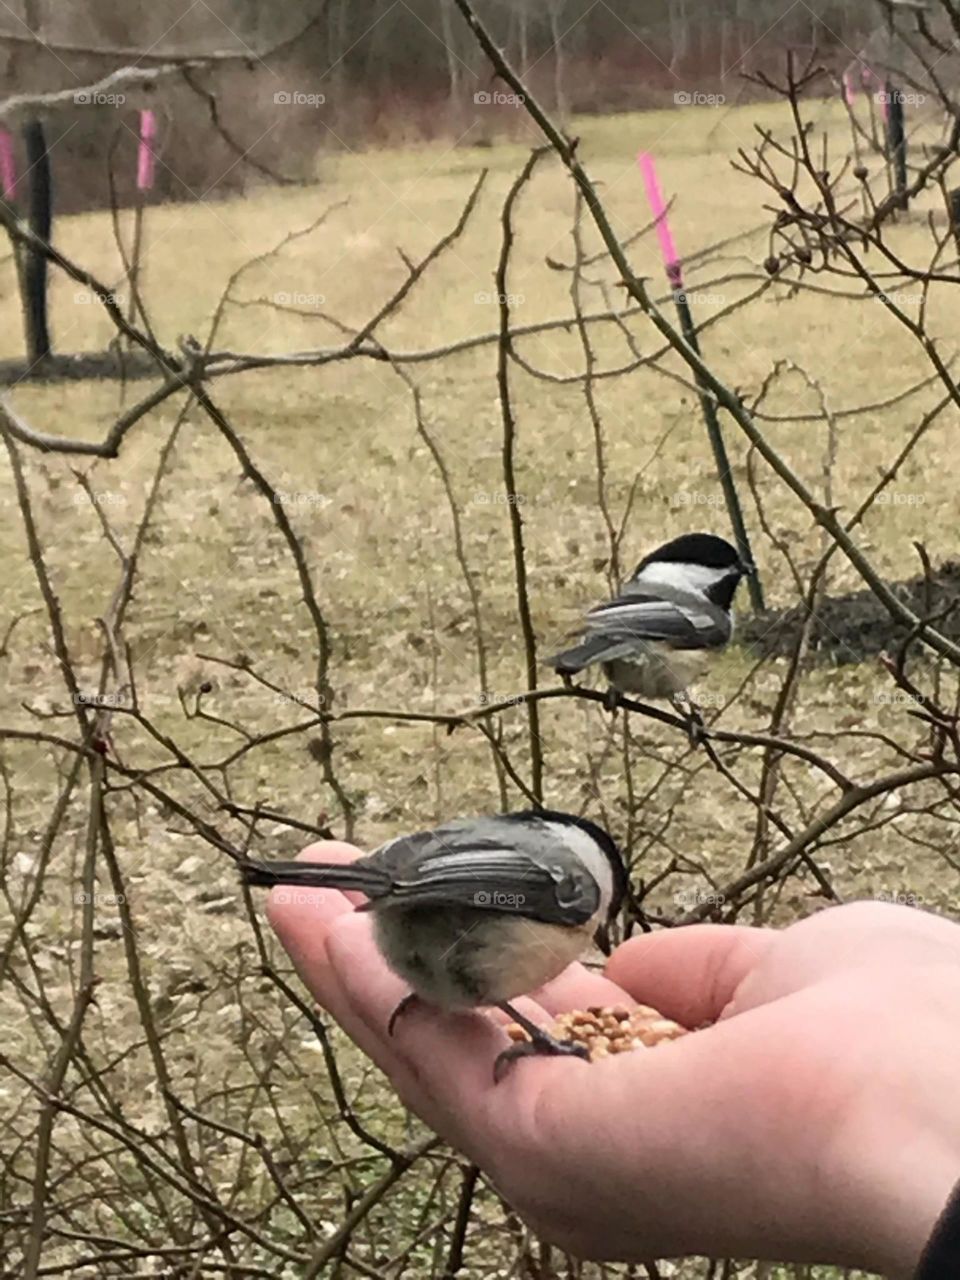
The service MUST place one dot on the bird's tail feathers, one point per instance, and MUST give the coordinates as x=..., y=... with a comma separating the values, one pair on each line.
x=585, y=654
x=317, y=875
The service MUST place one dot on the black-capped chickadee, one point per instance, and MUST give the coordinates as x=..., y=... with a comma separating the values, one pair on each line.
x=654, y=637
x=480, y=910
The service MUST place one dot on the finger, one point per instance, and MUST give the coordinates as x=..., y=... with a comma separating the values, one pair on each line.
x=307, y=939
x=319, y=905
x=362, y=993
x=442, y=1062
x=302, y=917
x=334, y=851
x=692, y=973
x=659, y=1125
x=468, y=1040
x=329, y=851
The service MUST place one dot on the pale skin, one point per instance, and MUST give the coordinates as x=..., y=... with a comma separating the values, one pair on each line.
x=818, y=1120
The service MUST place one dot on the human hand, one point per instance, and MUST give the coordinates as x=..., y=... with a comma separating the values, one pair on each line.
x=817, y=1119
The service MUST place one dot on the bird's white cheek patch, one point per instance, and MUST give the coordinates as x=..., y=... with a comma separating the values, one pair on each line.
x=592, y=857
x=681, y=577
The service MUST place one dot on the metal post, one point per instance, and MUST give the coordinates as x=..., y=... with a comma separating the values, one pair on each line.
x=40, y=218
x=715, y=432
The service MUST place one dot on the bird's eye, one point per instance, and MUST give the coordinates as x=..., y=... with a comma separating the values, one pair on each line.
x=567, y=891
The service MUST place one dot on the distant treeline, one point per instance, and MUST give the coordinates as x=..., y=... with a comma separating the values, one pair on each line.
x=366, y=71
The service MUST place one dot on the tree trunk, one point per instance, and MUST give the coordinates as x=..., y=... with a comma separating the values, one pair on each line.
x=679, y=34
x=455, y=91
x=33, y=16
x=555, y=10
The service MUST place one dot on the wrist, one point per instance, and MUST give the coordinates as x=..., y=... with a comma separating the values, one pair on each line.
x=897, y=1160
x=891, y=1215
x=893, y=1159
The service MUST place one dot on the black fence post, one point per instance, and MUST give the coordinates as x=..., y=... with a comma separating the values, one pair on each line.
x=953, y=211
x=40, y=218
x=897, y=139
x=709, y=408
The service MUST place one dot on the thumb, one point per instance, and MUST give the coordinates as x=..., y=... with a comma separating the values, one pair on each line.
x=692, y=973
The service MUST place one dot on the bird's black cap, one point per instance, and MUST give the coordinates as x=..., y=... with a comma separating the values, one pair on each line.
x=696, y=548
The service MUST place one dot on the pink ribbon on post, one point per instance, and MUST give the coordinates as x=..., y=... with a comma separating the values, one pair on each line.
x=146, y=159
x=658, y=208
x=8, y=165
x=868, y=78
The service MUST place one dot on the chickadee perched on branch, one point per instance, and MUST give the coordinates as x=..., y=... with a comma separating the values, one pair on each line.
x=480, y=910
x=654, y=638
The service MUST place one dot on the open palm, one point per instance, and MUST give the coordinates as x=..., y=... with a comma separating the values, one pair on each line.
x=815, y=1119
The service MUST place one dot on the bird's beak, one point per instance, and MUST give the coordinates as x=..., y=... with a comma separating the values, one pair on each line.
x=747, y=569
x=602, y=939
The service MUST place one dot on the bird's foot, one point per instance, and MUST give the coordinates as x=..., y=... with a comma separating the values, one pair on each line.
x=537, y=1048
x=540, y=1044
x=693, y=719
x=611, y=699
x=696, y=729
x=408, y=1000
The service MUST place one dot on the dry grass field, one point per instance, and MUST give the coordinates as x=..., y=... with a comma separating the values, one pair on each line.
x=340, y=443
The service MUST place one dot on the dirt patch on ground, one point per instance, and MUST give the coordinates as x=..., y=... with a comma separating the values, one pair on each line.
x=854, y=627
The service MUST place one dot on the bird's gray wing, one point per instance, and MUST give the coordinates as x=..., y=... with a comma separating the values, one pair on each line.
x=683, y=622
x=473, y=864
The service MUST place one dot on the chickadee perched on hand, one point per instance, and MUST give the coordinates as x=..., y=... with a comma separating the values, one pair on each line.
x=480, y=910
x=654, y=637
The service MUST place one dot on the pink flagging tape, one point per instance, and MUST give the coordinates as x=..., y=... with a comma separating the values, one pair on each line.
x=658, y=208
x=146, y=159
x=870, y=81
x=8, y=165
